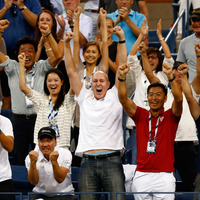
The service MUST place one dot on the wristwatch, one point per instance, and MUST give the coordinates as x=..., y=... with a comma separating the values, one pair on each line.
x=24, y=7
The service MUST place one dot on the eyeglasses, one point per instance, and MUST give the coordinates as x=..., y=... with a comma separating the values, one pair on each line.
x=152, y=57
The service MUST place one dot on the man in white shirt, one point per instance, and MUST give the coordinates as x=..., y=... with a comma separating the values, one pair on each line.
x=49, y=167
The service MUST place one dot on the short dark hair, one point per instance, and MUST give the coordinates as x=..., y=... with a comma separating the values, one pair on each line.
x=91, y=43
x=26, y=40
x=154, y=50
x=157, y=84
x=61, y=95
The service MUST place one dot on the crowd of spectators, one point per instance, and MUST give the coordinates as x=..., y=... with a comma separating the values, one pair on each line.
x=70, y=75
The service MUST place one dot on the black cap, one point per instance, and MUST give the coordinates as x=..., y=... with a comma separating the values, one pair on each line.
x=195, y=13
x=46, y=131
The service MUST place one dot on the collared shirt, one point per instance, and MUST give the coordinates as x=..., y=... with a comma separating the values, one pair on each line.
x=130, y=37
x=11, y=68
x=19, y=27
x=85, y=27
x=47, y=182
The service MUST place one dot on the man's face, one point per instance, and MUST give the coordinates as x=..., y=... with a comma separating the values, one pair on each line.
x=195, y=22
x=71, y=4
x=47, y=145
x=156, y=98
x=100, y=85
x=30, y=54
x=124, y=3
x=109, y=25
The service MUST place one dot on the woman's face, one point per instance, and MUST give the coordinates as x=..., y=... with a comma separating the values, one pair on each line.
x=109, y=24
x=54, y=84
x=91, y=54
x=45, y=18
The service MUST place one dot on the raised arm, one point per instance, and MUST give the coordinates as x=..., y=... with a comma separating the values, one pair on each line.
x=75, y=81
x=176, y=90
x=59, y=172
x=33, y=175
x=3, y=25
x=30, y=17
x=196, y=81
x=76, y=49
x=193, y=104
x=22, y=81
x=146, y=66
x=7, y=142
x=7, y=6
x=128, y=105
x=165, y=47
x=142, y=36
x=57, y=49
x=103, y=31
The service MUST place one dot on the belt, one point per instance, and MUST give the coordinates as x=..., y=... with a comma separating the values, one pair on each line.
x=92, y=11
x=101, y=156
x=25, y=116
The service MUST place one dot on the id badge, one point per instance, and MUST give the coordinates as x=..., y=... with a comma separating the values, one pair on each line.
x=151, y=146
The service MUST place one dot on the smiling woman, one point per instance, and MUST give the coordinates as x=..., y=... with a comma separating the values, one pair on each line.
x=54, y=109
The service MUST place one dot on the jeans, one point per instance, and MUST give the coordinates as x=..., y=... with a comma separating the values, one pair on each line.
x=101, y=174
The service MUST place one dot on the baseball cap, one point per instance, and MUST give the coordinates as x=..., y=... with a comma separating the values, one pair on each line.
x=195, y=13
x=46, y=131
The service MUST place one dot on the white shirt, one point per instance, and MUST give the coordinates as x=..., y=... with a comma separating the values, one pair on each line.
x=47, y=182
x=100, y=121
x=5, y=170
x=85, y=27
x=92, y=5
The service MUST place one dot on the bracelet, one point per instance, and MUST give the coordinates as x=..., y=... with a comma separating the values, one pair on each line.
x=198, y=56
x=170, y=80
x=24, y=8
x=162, y=39
x=48, y=50
x=48, y=34
x=121, y=42
x=121, y=79
x=1, y=32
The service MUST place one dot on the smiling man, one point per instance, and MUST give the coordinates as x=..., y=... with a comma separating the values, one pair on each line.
x=156, y=130
x=49, y=167
x=24, y=114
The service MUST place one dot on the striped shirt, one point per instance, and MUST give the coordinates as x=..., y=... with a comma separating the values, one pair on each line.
x=64, y=118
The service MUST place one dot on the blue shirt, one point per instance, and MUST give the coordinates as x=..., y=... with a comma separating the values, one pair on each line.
x=130, y=37
x=19, y=27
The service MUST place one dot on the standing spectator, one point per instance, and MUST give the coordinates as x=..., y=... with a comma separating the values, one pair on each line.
x=6, y=145
x=100, y=113
x=129, y=20
x=138, y=6
x=22, y=15
x=186, y=52
x=183, y=5
x=24, y=114
x=156, y=131
x=49, y=168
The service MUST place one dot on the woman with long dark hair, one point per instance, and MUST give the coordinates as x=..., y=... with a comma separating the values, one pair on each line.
x=54, y=109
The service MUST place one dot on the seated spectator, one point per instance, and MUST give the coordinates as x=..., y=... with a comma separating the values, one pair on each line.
x=183, y=5
x=129, y=20
x=186, y=52
x=6, y=145
x=49, y=168
x=22, y=16
x=24, y=114
x=54, y=109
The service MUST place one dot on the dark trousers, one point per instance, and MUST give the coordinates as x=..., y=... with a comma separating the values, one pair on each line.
x=7, y=186
x=186, y=164
x=23, y=138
